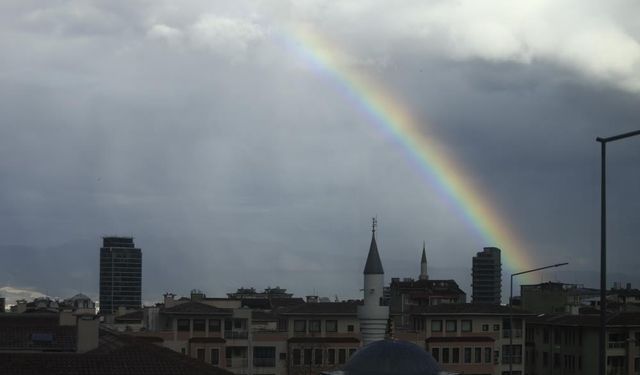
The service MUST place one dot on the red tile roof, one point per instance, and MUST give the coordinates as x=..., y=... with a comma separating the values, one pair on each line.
x=117, y=354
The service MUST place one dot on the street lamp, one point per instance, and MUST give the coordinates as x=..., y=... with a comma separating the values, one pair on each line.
x=511, y=309
x=603, y=249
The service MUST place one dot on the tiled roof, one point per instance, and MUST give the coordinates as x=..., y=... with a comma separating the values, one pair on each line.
x=117, y=354
x=134, y=315
x=466, y=309
x=461, y=339
x=323, y=308
x=354, y=340
x=588, y=320
x=35, y=332
x=257, y=315
x=195, y=308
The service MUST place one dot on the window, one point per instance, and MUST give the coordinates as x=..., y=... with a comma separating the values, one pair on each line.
x=352, y=351
x=214, y=325
x=496, y=327
x=514, y=354
x=295, y=358
x=350, y=328
x=331, y=326
x=264, y=356
x=478, y=355
x=545, y=335
x=545, y=359
x=237, y=323
x=487, y=355
x=342, y=356
x=183, y=350
x=317, y=357
x=485, y=328
x=435, y=352
x=455, y=355
x=452, y=326
x=184, y=325
x=445, y=355
x=331, y=356
x=314, y=326
x=436, y=326
x=300, y=326
x=466, y=326
x=307, y=356
x=556, y=360
x=199, y=326
x=215, y=357
x=467, y=355
x=200, y=354
x=283, y=324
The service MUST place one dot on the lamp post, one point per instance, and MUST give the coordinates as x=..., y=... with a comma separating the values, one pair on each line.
x=511, y=308
x=602, y=365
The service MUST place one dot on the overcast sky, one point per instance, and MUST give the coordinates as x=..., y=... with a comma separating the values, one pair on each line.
x=190, y=126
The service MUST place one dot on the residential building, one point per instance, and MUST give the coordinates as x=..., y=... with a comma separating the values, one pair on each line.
x=565, y=344
x=247, y=293
x=469, y=338
x=120, y=275
x=486, y=275
x=407, y=293
x=2, y=303
x=554, y=297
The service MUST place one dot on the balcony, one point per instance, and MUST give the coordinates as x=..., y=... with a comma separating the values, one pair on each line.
x=617, y=344
x=517, y=333
x=236, y=335
x=264, y=362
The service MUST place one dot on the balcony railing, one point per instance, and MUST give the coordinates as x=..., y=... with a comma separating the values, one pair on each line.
x=236, y=334
x=617, y=344
x=237, y=362
x=517, y=333
x=264, y=362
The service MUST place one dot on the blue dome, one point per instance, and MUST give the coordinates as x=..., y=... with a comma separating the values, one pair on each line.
x=391, y=357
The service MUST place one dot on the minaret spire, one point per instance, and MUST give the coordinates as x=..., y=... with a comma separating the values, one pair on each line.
x=423, y=263
x=372, y=314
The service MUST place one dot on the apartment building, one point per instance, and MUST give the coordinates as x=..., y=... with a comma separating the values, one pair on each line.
x=486, y=274
x=563, y=344
x=469, y=338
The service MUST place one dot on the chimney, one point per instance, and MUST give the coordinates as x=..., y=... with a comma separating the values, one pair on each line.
x=87, y=333
x=169, y=300
x=312, y=299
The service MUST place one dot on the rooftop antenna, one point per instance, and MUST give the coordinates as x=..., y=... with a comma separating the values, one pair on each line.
x=374, y=224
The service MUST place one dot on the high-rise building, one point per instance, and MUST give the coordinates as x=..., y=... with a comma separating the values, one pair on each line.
x=120, y=275
x=486, y=275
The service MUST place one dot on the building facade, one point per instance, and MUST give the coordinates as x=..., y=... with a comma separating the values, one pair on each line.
x=120, y=275
x=486, y=275
x=469, y=338
x=565, y=344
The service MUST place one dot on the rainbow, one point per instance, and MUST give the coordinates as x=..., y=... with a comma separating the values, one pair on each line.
x=392, y=119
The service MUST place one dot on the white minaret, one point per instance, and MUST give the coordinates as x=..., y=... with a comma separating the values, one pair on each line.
x=423, y=264
x=372, y=314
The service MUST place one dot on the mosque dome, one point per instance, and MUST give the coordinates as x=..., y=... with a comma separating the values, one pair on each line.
x=390, y=357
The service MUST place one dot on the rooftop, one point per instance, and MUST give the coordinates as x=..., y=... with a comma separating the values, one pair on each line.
x=466, y=309
x=116, y=354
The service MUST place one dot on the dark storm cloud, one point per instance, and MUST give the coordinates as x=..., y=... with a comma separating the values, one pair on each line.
x=234, y=164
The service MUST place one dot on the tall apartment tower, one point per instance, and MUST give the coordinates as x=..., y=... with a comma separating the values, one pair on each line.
x=120, y=274
x=372, y=314
x=486, y=275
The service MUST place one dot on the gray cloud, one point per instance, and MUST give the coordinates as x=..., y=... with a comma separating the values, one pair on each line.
x=233, y=164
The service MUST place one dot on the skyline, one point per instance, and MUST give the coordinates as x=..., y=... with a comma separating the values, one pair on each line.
x=197, y=130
